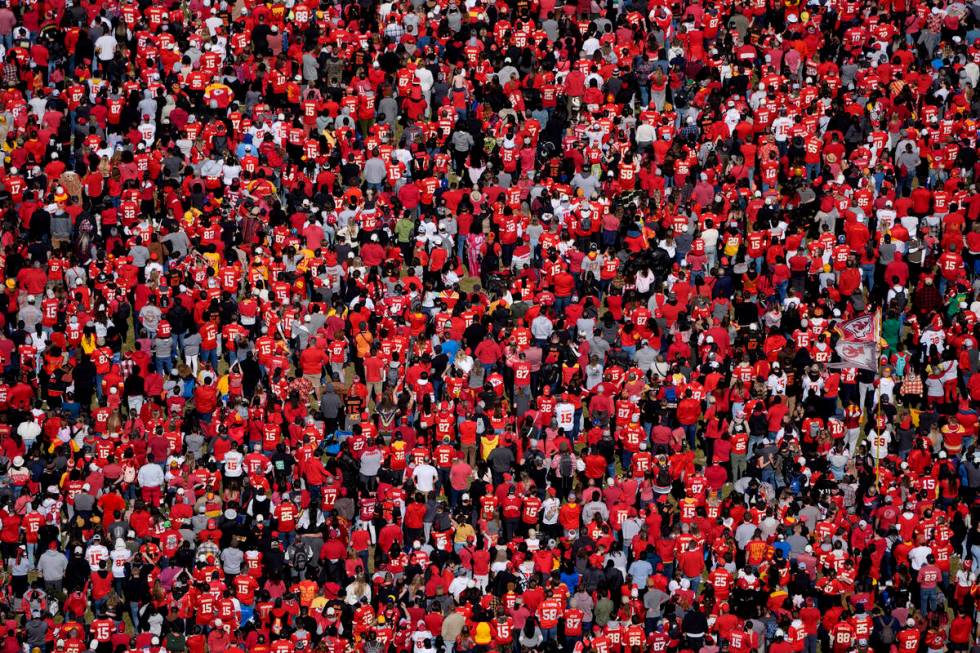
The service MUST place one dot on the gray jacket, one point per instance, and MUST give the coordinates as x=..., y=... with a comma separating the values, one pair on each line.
x=192, y=345
x=908, y=159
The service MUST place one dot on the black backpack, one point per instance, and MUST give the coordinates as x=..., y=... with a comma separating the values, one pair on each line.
x=566, y=465
x=301, y=558
x=901, y=298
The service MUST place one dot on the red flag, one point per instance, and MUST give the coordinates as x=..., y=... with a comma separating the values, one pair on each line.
x=860, y=329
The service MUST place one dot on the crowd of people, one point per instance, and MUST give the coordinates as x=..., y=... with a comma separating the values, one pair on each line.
x=441, y=326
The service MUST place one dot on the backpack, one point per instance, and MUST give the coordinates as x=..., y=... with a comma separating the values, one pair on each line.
x=301, y=558
x=663, y=477
x=887, y=635
x=566, y=465
x=901, y=298
x=900, y=362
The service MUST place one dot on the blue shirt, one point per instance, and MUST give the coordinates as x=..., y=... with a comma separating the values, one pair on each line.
x=640, y=570
x=571, y=580
x=449, y=348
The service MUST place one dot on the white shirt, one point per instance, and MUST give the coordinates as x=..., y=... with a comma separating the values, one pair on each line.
x=645, y=133
x=776, y=384
x=644, y=281
x=809, y=386
x=935, y=337
x=549, y=511
x=732, y=118
x=96, y=554
x=424, y=75
x=886, y=218
x=879, y=443
x=710, y=238
x=233, y=464
x=403, y=156
x=119, y=559
x=150, y=475
x=230, y=173
x=425, y=477
x=541, y=327
x=918, y=556
x=419, y=636
x=29, y=431
x=148, y=131
x=457, y=586
x=781, y=127
x=463, y=363
x=105, y=47
x=213, y=24
x=565, y=414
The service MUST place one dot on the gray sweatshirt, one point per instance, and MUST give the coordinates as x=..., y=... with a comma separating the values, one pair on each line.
x=192, y=345
x=52, y=565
